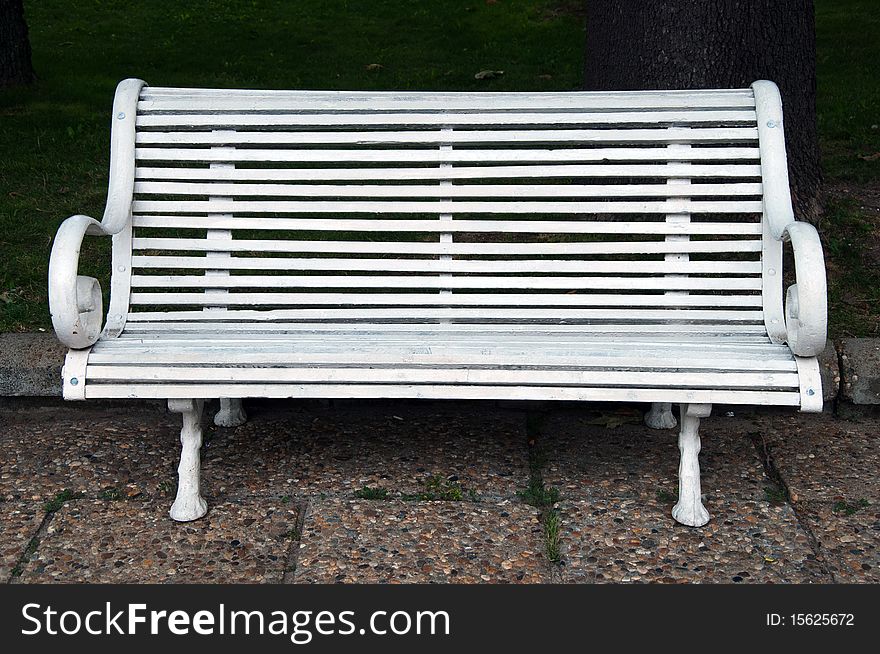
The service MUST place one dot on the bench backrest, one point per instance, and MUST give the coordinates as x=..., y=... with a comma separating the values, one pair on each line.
x=630, y=211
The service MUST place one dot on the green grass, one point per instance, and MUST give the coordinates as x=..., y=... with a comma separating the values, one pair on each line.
x=538, y=495
x=54, y=135
x=367, y=493
x=775, y=495
x=848, y=102
x=59, y=500
x=852, y=244
x=111, y=494
x=552, y=536
x=850, y=508
x=438, y=489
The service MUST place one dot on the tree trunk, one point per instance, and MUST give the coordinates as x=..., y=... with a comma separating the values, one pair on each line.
x=683, y=44
x=15, y=48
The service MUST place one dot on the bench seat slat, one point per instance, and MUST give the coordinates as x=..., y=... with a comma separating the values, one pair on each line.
x=456, y=266
x=428, y=316
x=447, y=392
x=142, y=327
x=432, y=375
x=383, y=137
x=307, y=101
x=527, y=226
x=675, y=170
x=464, y=206
x=383, y=346
x=515, y=299
x=441, y=118
x=454, y=357
x=435, y=190
x=566, y=282
x=438, y=156
x=454, y=249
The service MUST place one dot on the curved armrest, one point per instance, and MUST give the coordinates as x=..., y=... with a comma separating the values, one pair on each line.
x=806, y=302
x=75, y=301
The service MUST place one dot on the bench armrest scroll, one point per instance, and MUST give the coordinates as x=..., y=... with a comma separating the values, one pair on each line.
x=806, y=301
x=75, y=300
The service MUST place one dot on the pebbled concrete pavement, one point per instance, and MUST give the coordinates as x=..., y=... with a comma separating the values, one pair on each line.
x=432, y=492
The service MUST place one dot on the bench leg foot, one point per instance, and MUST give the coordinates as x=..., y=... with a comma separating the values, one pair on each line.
x=189, y=504
x=690, y=510
x=660, y=416
x=231, y=413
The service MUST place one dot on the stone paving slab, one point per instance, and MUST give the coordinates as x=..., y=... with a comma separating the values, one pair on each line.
x=86, y=450
x=19, y=522
x=823, y=457
x=340, y=451
x=606, y=539
x=851, y=540
x=421, y=542
x=612, y=451
x=245, y=541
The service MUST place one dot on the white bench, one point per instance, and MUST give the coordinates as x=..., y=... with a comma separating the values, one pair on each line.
x=618, y=246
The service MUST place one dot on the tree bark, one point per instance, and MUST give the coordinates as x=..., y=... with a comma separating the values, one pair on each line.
x=15, y=48
x=686, y=44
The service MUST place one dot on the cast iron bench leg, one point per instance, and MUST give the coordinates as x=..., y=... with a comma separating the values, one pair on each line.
x=690, y=510
x=660, y=416
x=189, y=504
x=231, y=413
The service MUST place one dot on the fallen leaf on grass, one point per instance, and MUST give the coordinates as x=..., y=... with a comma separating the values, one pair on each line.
x=489, y=74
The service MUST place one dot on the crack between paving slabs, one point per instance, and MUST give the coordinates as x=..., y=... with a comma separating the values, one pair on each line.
x=765, y=455
x=292, y=558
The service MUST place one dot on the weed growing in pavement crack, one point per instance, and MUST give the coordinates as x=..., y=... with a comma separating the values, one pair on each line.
x=111, y=494
x=849, y=508
x=775, y=495
x=541, y=496
x=29, y=551
x=58, y=501
x=551, y=535
x=367, y=493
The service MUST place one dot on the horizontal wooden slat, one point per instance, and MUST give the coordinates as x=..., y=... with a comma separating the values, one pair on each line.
x=524, y=299
x=451, y=190
x=442, y=118
x=426, y=391
x=304, y=101
x=277, y=324
x=453, y=357
x=444, y=282
x=453, y=249
x=438, y=156
x=456, y=226
x=339, y=336
x=433, y=96
x=222, y=340
x=423, y=302
x=727, y=135
x=451, y=266
x=269, y=319
x=432, y=375
x=462, y=206
x=539, y=345
x=676, y=170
